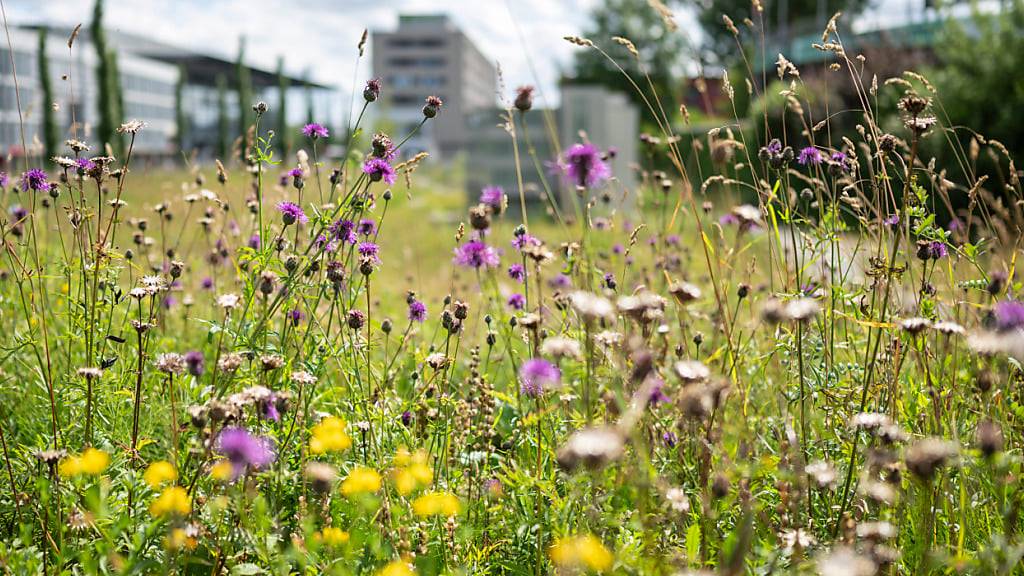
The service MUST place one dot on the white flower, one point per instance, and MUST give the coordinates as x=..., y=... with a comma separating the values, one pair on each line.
x=227, y=301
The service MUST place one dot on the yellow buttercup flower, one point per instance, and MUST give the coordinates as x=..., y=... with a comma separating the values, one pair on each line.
x=361, y=480
x=329, y=436
x=397, y=568
x=179, y=539
x=222, y=471
x=332, y=536
x=92, y=462
x=174, y=500
x=436, y=504
x=584, y=551
x=411, y=471
x=159, y=473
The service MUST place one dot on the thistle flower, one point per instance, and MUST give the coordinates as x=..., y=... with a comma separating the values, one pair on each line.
x=369, y=250
x=291, y=213
x=476, y=254
x=315, y=131
x=517, y=272
x=516, y=301
x=244, y=451
x=417, y=311
x=35, y=179
x=379, y=169
x=366, y=227
x=171, y=363
x=493, y=196
x=524, y=98
x=809, y=156
x=343, y=231
x=195, y=362
x=432, y=106
x=372, y=90
x=1009, y=315
x=537, y=375
x=584, y=166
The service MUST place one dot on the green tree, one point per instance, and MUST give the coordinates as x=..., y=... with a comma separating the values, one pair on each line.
x=978, y=79
x=244, y=89
x=180, y=117
x=283, y=136
x=660, y=51
x=106, y=126
x=117, y=91
x=223, y=122
x=50, y=133
x=782, y=20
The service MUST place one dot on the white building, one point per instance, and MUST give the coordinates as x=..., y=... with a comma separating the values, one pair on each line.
x=148, y=92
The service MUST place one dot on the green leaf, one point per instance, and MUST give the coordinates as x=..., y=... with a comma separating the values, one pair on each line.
x=693, y=541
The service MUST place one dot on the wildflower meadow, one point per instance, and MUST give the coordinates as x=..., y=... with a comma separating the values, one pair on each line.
x=784, y=351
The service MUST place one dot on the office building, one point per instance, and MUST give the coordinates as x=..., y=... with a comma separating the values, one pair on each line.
x=428, y=55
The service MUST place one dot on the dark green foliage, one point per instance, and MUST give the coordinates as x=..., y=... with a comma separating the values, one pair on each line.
x=244, y=89
x=106, y=125
x=223, y=122
x=660, y=50
x=180, y=117
x=50, y=131
x=781, y=20
x=117, y=94
x=979, y=81
x=283, y=136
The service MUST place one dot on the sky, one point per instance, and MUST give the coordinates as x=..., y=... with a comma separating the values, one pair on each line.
x=524, y=37
x=321, y=35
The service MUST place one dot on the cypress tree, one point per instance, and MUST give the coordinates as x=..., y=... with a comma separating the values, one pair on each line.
x=223, y=123
x=46, y=86
x=180, y=119
x=283, y=136
x=117, y=99
x=310, y=109
x=105, y=128
x=244, y=89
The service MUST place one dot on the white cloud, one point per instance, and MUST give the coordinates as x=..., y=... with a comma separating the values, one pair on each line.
x=320, y=36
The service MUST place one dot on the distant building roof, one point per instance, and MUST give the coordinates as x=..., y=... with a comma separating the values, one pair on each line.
x=202, y=68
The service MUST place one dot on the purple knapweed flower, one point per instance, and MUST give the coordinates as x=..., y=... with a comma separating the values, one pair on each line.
x=295, y=316
x=517, y=272
x=18, y=213
x=493, y=196
x=728, y=219
x=892, y=220
x=169, y=302
x=417, y=311
x=584, y=166
x=370, y=251
x=4, y=180
x=516, y=301
x=291, y=213
x=83, y=165
x=314, y=131
x=476, y=254
x=523, y=240
x=537, y=375
x=809, y=156
x=657, y=395
x=669, y=438
x=560, y=281
x=406, y=418
x=268, y=408
x=367, y=227
x=206, y=283
x=379, y=169
x=1009, y=315
x=196, y=362
x=254, y=242
x=344, y=231
x=35, y=179
x=244, y=451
